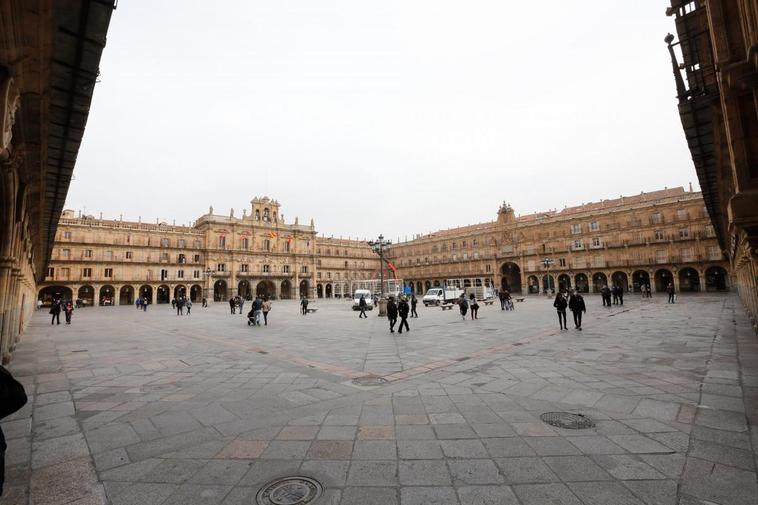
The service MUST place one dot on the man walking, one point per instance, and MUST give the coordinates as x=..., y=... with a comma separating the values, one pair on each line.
x=180, y=306
x=144, y=304
x=188, y=304
x=414, y=302
x=232, y=305
x=577, y=307
x=671, y=292
x=304, y=305
x=55, y=310
x=463, y=306
x=621, y=295
x=501, y=296
x=257, y=310
x=392, y=313
x=560, y=305
x=362, y=306
x=615, y=293
x=241, y=303
x=205, y=302
x=403, y=309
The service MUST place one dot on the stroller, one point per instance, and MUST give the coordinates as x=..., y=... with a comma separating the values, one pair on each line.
x=251, y=320
x=509, y=303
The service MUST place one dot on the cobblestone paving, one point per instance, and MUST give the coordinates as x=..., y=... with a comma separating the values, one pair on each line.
x=151, y=408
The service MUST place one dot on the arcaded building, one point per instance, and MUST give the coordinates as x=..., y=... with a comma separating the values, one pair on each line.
x=111, y=262
x=652, y=238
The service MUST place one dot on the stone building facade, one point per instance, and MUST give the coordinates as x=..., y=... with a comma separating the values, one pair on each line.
x=108, y=262
x=717, y=94
x=654, y=238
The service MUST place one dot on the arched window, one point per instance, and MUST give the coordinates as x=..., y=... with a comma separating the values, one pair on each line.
x=267, y=245
x=164, y=242
x=266, y=216
x=244, y=243
x=257, y=215
x=222, y=241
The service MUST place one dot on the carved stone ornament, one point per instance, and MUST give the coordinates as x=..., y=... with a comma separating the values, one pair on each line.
x=10, y=101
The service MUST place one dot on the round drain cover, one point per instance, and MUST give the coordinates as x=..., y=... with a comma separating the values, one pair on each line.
x=568, y=420
x=369, y=380
x=289, y=491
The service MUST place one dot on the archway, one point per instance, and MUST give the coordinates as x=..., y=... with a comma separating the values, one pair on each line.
x=126, y=295
x=510, y=277
x=146, y=293
x=640, y=279
x=219, y=291
x=319, y=291
x=689, y=280
x=180, y=291
x=107, y=295
x=244, y=290
x=716, y=279
x=86, y=294
x=564, y=281
x=663, y=278
x=196, y=293
x=582, y=283
x=437, y=284
x=620, y=279
x=419, y=288
x=50, y=293
x=163, y=295
x=599, y=279
x=548, y=283
x=328, y=291
x=304, y=288
x=286, y=290
x=533, y=283
x=428, y=285
x=265, y=289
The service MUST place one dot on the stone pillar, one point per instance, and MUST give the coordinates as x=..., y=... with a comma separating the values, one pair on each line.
x=116, y=295
x=676, y=280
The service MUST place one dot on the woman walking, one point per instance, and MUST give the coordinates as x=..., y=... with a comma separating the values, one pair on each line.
x=474, y=307
x=463, y=306
x=266, y=309
x=560, y=305
x=68, y=309
x=577, y=306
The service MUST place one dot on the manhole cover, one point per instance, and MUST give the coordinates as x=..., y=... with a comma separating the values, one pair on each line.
x=567, y=420
x=289, y=491
x=369, y=380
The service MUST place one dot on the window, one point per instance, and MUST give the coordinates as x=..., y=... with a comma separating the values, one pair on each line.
x=244, y=267
x=661, y=256
x=463, y=244
x=128, y=255
x=562, y=262
x=266, y=216
x=164, y=242
x=286, y=269
x=164, y=256
x=596, y=242
x=594, y=226
x=108, y=273
x=318, y=263
x=656, y=218
x=267, y=245
x=576, y=229
x=67, y=235
x=244, y=243
x=659, y=235
x=180, y=274
x=108, y=255
x=287, y=245
x=66, y=253
x=328, y=275
x=710, y=231
x=181, y=259
x=318, y=275
x=222, y=242
x=181, y=243
x=86, y=272
x=488, y=268
x=681, y=214
x=304, y=269
x=50, y=272
x=577, y=244
x=65, y=273
x=196, y=258
x=88, y=253
x=221, y=267
x=684, y=232
x=266, y=269
x=196, y=274
x=128, y=239
x=714, y=252
x=197, y=244
x=688, y=254
x=164, y=274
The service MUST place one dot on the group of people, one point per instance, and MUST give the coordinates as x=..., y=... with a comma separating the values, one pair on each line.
x=57, y=306
x=142, y=303
x=506, y=301
x=575, y=303
x=402, y=309
x=180, y=303
x=616, y=293
x=464, y=304
x=260, y=309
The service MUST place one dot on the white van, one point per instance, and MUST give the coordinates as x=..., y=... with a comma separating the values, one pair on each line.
x=357, y=299
x=437, y=296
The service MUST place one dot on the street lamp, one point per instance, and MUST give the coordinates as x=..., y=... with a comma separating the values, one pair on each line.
x=208, y=275
x=378, y=247
x=547, y=262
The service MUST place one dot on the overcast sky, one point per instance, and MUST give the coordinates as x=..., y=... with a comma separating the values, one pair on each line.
x=394, y=117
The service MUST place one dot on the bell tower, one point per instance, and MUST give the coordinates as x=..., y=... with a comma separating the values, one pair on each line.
x=264, y=210
x=505, y=214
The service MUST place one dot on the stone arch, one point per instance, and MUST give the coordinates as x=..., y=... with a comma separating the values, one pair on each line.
x=146, y=292
x=533, y=284
x=196, y=293
x=163, y=294
x=319, y=291
x=663, y=277
x=564, y=281
x=180, y=291
x=265, y=289
x=689, y=280
x=640, y=279
x=286, y=290
x=510, y=277
x=126, y=295
x=304, y=287
x=581, y=283
x=86, y=294
x=50, y=293
x=244, y=290
x=620, y=279
x=716, y=279
x=107, y=295
x=599, y=279
x=548, y=283
x=219, y=291
x=328, y=291
x=428, y=285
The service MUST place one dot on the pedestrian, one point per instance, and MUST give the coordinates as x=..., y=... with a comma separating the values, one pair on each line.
x=205, y=302
x=605, y=293
x=180, y=306
x=173, y=303
x=68, y=309
x=501, y=296
x=266, y=309
x=621, y=295
x=144, y=305
x=39, y=304
x=463, y=306
x=648, y=291
x=258, y=309
x=508, y=300
x=615, y=293
x=12, y=398
x=392, y=313
x=232, y=305
x=242, y=303
x=402, y=309
x=474, y=307
x=304, y=305
x=577, y=307
x=362, y=306
x=414, y=302
x=560, y=305
x=188, y=304
x=138, y=303
x=671, y=292
x=55, y=310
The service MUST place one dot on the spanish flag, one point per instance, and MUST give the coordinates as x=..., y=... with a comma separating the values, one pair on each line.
x=392, y=267
x=272, y=234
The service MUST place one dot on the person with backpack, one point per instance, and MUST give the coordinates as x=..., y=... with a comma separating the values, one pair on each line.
x=266, y=308
x=392, y=313
x=463, y=306
x=403, y=309
x=12, y=398
x=577, y=307
x=233, y=305
x=560, y=305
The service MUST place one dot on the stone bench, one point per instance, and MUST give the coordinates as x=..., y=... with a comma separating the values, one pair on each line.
x=446, y=306
x=520, y=299
x=489, y=302
x=312, y=311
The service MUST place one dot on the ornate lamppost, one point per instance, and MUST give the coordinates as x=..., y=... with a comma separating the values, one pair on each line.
x=378, y=246
x=547, y=262
x=209, y=277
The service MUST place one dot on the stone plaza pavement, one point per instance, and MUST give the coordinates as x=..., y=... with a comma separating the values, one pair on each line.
x=134, y=408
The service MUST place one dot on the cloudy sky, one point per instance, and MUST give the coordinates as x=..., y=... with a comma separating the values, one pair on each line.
x=394, y=117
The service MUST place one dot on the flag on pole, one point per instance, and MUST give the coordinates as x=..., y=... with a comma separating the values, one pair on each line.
x=392, y=267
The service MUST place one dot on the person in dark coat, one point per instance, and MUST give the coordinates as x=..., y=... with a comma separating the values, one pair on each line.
x=362, y=306
x=577, y=307
x=501, y=296
x=233, y=305
x=55, y=310
x=615, y=293
x=68, y=309
x=560, y=305
x=671, y=291
x=403, y=308
x=621, y=295
x=414, y=302
x=392, y=313
x=606, y=294
x=463, y=306
x=180, y=307
x=12, y=398
x=304, y=305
